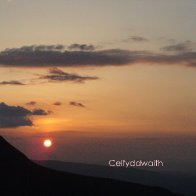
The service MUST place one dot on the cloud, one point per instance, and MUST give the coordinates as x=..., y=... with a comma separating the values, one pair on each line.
x=40, y=112
x=14, y=116
x=81, y=47
x=136, y=39
x=17, y=116
x=188, y=59
x=57, y=75
x=57, y=103
x=36, y=48
x=52, y=56
x=183, y=47
x=77, y=104
x=40, y=56
x=12, y=82
x=31, y=103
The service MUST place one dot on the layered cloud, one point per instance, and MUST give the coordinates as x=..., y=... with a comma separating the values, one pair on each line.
x=41, y=56
x=16, y=116
x=57, y=75
x=52, y=56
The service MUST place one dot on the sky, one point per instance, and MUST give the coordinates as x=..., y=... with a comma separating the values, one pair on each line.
x=95, y=70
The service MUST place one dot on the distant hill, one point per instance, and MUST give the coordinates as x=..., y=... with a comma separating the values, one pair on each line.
x=20, y=176
x=184, y=184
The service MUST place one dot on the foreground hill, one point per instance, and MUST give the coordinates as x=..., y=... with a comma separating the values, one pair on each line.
x=177, y=182
x=20, y=176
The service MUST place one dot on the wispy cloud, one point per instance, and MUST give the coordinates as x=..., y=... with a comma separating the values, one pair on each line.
x=182, y=47
x=136, y=39
x=31, y=103
x=12, y=82
x=57, y=75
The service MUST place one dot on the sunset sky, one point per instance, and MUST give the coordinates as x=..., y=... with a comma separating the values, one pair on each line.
x=104, y=68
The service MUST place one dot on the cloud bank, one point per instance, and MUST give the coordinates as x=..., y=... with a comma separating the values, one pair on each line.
x=52, y=56
x=16, y=116
x=42, y=56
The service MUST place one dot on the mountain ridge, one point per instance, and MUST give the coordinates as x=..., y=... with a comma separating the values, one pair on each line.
x=23, y=177
x=183, y=184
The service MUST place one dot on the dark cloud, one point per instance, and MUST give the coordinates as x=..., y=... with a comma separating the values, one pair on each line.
x=40, y=112
x=11, y=82
x=16, y=116
x=31, y=103
x=36, y=48
x=183, y=47
x=77, y=104
x=57, y=75
x=36, y=57
x=57, y=103
x=136, y=39
x=30, y=56
x=81, y=47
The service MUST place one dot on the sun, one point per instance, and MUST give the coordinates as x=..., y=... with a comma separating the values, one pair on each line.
x=47, y=143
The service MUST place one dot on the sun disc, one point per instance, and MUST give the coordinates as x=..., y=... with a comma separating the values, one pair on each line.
x=47, y=143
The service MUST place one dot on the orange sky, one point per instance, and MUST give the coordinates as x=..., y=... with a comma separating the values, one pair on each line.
x=131, y=99
x=118, y=68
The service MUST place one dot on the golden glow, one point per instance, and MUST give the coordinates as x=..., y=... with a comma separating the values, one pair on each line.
x=132, y=103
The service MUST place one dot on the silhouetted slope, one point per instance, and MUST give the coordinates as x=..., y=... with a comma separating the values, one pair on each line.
x=9, y=153
x=184, y=184
x=20, y=176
